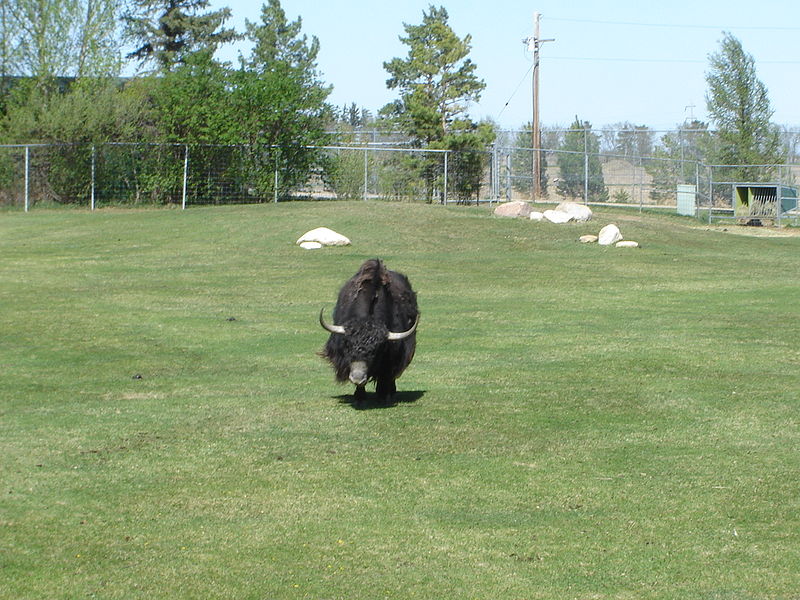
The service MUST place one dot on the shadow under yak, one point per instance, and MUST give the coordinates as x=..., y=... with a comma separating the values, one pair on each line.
x=373, y=401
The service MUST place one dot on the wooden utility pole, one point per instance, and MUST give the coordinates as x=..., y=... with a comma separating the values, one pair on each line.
x=536, y=132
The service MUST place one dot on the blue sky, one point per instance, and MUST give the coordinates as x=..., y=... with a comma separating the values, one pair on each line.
x=637, y=61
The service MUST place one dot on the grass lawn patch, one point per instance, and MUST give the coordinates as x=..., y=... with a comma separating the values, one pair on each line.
x=578, y=422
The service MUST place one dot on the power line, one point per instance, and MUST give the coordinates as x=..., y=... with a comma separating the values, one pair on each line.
x=661, y=60
x=635, y=60
x=519, y=85
x=677, y=26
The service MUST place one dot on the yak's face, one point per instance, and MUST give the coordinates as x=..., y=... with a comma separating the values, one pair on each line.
x=362, y=345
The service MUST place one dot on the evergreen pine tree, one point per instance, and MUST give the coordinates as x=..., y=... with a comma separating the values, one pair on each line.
x=437, y=82
x=738, y=103
x=166, y=31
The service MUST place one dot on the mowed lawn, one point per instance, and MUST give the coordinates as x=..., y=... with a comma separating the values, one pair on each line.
x=579, y=421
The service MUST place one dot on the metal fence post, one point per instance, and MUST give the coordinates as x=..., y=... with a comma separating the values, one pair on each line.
x=508, y=176
x=492, y=176
x=710, y=192
x=446, y=152
x=185, y=174
x=696, y=186
x=27, y=170
x=365, y=174
x=92, y=198
x=585, y=165
x=640, y=184
x=275, y=186
x=586, y=178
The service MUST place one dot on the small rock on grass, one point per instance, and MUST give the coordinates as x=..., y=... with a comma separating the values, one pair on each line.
x=610, y=234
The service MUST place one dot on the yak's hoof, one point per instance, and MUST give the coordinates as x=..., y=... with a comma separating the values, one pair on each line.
x=385, y=391
x=360, y=394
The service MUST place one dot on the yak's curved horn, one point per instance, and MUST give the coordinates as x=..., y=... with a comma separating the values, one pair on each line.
x=332, y=328
x=393, y=336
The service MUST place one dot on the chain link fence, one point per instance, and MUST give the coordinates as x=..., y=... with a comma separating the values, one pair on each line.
x=94, y=176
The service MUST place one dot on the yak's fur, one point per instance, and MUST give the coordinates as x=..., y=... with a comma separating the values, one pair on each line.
x=370, y=304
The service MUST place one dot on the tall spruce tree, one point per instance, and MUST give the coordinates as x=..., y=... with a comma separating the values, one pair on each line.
x=738, y=104
x=437, y=82
x=166, y=31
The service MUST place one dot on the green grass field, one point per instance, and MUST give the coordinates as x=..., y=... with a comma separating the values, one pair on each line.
x=579, y=421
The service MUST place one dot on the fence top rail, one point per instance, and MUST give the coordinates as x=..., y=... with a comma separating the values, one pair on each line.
x=604, y=154
x=762, y=166
x=386, y=149
x=374, y=147
x=31, y=145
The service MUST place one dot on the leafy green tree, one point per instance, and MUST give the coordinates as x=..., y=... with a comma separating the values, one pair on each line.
x=580, y=145
x=437, y=82
x=59, y=38
x=167, y=31
x=94, y=111
x=738, y=103
x=191, y=102
x=9, y=53
x=468, y=159
x=42, y=35
x=278, y=101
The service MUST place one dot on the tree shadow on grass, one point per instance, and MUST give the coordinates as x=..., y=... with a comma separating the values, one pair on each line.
x=372, y=401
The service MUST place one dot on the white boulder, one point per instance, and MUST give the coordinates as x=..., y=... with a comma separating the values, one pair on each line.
x=557, y=216
x=325, y=237
x=515, y=208
x=627, y=244
x=579, y=212
x=588, y=239
x=536, y=215
x=610, y=234
x=310, y=245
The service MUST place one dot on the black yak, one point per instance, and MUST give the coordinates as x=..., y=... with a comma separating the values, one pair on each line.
x=374, y=333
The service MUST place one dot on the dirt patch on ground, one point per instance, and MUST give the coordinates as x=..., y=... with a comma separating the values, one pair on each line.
x=757, y=231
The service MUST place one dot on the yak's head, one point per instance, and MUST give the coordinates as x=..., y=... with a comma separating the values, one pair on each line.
x=361, y=342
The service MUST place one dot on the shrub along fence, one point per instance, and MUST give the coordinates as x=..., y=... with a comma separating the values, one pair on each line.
x=105, y=174
x=99, y=175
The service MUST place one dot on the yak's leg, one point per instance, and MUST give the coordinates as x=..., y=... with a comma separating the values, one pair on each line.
x=360, y=394
x=385, y=389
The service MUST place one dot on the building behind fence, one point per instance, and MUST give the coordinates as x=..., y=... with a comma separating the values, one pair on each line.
x=95, y=176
